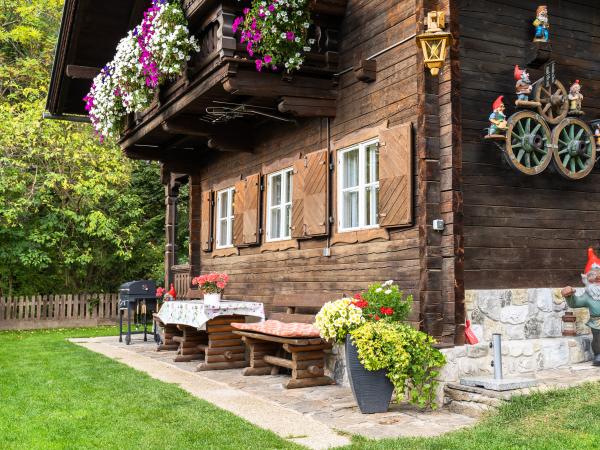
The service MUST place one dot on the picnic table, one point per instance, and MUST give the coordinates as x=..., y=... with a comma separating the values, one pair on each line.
x=206, y=333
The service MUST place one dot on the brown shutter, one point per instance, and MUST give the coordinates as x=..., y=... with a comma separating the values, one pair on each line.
x=206, y=221
x=246, y=212
x=309, y=197
x=395, y=176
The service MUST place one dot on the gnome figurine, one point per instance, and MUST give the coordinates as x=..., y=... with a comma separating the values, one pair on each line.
x=498, y=123
x=541, y=24
x=589, y=299
x=523, y=87
x=575, y=99
x=597, y=134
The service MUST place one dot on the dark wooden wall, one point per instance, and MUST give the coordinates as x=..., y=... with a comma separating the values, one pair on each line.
x=260, y=272
x=523, y=231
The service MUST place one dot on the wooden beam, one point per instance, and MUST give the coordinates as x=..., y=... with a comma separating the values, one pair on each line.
x=230, y=143
x=189, y=126
x=82, y=72
x=307, y=107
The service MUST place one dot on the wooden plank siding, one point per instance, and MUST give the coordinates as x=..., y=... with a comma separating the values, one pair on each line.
x=55, y=311
x=519, y=231
x=298, y=266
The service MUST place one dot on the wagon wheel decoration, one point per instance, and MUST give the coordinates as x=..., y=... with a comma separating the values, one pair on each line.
x=553, y=101
x=527, y=139
x=574, y=148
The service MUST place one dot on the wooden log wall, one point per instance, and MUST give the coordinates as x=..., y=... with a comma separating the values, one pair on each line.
x=260, y=272
x=519, y=231
x=58, y=311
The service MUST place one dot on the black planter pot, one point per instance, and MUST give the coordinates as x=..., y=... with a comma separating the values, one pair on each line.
x=372, y=390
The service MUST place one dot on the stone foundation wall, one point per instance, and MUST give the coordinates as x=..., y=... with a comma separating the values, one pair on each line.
x=520, y=314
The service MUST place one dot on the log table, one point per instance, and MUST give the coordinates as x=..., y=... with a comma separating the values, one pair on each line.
x=206, y=333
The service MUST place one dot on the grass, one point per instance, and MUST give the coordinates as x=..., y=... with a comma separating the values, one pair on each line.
x=56, y=395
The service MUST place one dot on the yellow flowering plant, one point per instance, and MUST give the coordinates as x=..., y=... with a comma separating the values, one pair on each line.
x=338, y=318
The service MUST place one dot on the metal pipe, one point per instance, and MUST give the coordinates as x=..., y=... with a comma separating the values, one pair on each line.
x=379, y=53
x=49, y=116
x=497, y=347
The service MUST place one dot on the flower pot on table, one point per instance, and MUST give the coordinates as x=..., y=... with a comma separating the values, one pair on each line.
x=372, y=389
x=212, y=300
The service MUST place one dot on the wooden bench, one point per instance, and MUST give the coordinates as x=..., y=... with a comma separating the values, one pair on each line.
x=305, y=357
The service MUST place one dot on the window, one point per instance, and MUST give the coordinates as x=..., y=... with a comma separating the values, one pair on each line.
x=225, y=218
x=358, y=186
x=279, y=205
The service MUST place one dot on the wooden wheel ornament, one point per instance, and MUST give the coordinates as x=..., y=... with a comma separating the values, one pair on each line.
x=527, y=143
x=574, y=148
x=553, y=101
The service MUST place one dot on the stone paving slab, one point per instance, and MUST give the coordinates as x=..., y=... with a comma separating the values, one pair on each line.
x=330, y=407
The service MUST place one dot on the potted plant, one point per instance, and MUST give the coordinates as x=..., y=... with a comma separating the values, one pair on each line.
x=383, y=353
x=212, y=286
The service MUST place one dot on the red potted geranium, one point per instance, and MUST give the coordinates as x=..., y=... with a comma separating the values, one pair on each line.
x=212, y=286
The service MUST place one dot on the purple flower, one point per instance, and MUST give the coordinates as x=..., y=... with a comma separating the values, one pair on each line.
x=236, y=23
x=253, y=24
x=268, y=59
x=246, y=11
x=259, y=65
x=271, y=8
x=290, y=36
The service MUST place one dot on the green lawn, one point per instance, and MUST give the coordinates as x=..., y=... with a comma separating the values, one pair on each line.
x=56, y=395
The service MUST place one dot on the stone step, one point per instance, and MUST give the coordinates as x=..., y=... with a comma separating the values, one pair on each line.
x=472, y=401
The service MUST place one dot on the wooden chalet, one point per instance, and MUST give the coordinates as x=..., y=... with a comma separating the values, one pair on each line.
x=331, y=178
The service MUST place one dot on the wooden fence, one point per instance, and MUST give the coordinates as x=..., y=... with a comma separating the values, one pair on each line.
x=58, y=311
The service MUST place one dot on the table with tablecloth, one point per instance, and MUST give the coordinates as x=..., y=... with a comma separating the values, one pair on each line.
x=206, y=332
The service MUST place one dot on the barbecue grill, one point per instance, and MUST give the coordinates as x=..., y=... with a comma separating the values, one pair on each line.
x=138, y=298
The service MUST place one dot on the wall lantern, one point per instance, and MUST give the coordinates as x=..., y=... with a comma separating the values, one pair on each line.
x=435, y=41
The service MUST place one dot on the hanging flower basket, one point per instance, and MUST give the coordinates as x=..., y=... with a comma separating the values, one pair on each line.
x=153, y=52
x=275, y=33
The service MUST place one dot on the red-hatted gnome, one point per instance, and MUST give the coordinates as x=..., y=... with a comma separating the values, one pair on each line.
x=589, y=299
x=498, y=123
x=172, y=294
x=523, y=87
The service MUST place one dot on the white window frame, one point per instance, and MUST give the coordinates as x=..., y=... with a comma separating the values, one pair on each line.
x=228, y=218
x=361, y=188
x=286, y=235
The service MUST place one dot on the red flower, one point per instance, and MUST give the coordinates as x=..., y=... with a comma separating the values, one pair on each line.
x=360, y=304
x=160, y=291
x=376, y=317
x=386, y=311
x=358, y=296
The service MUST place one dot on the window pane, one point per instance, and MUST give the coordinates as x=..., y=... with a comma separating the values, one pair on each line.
x=371, y=206
x=288, y=221
x=223, y=204
x=288, y=187
x=350, y=168
x=372, y=164
x=223, y=233
x=275, y=223
x=350, y=219
x=275, y=190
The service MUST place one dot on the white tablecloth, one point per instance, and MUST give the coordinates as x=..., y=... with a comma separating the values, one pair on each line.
x=193, y=313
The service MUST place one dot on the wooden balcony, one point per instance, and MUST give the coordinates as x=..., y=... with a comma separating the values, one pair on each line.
x=222, y=75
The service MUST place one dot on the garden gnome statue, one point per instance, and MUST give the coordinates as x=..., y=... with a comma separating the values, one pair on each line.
x=523, y=87
x=172, y=294
x=541, y=24
x=589, y=299
x=575, y=99
x=498, y=123
x=597, y=133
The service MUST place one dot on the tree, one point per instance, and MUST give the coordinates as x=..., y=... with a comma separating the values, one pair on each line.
x=74, y=215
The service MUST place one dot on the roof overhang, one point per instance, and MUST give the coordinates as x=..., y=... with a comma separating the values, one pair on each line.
x=89, y=32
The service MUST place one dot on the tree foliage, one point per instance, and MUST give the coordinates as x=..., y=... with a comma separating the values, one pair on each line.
x=75, y=215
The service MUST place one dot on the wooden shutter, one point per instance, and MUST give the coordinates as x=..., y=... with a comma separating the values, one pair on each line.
x=309, y=197
x=395, y=176
x=206, y=221
x=246, y=212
